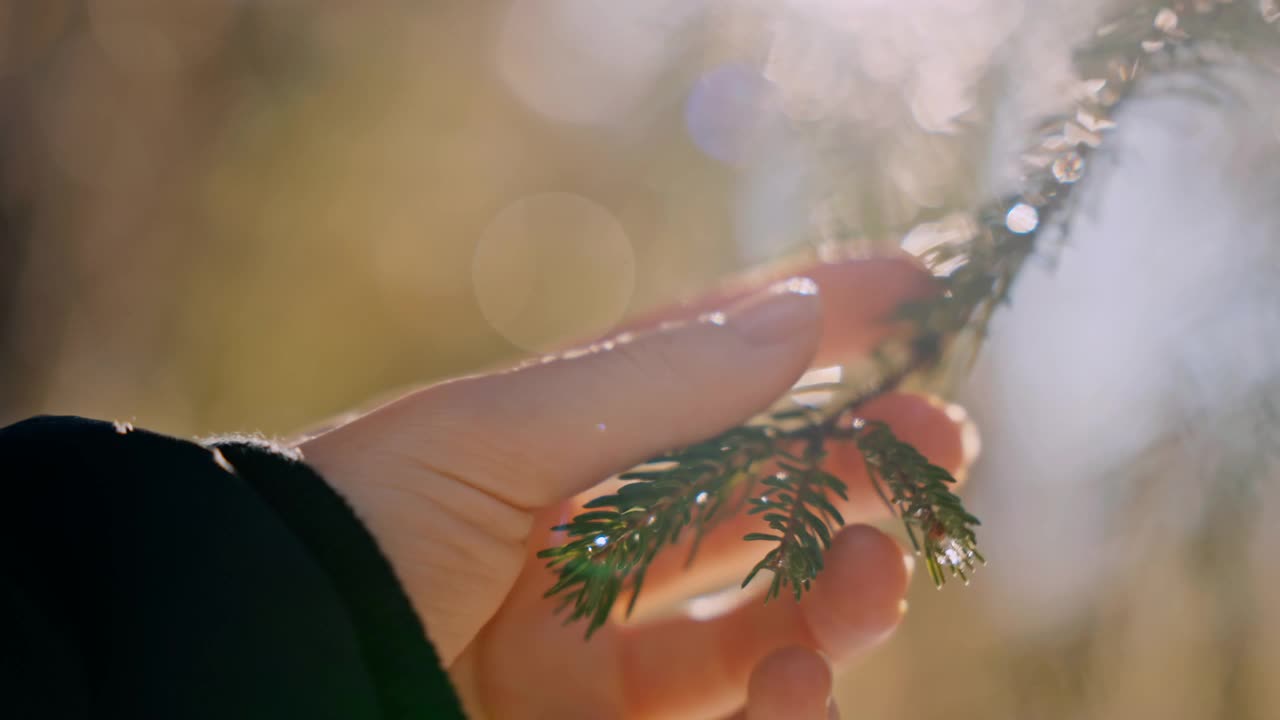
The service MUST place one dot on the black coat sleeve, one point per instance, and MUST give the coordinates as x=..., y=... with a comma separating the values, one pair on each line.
x=143, y=576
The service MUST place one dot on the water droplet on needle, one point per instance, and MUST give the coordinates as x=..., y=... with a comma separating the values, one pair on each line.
x=1022, y=219
x=1068, y=168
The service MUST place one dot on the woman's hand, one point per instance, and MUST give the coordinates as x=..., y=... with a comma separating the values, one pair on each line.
x=460, y=482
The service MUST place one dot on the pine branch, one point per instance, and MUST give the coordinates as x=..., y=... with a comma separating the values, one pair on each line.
x=797, y=506
x=610, y=546
x=917, y=491
x=613, y=543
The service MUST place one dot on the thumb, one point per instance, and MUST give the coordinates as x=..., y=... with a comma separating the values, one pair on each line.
x=549, y=429
x=444, y=477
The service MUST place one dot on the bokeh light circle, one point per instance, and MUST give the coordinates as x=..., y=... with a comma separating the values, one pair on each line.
x=586, y=62
x=1022, y=219
x=730, y=111
x=553, y=268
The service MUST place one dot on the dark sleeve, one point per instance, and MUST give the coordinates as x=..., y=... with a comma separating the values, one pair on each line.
x=143, y=576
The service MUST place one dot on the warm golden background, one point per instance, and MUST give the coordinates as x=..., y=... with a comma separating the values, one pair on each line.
x=230, y=215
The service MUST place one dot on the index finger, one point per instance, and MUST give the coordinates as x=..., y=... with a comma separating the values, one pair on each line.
x=859, y=298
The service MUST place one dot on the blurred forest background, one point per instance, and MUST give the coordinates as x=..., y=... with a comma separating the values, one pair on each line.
x=222, y=215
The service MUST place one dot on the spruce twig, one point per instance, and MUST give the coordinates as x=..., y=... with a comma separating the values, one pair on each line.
x=797, y=506
x=917, y=491
x=610, y=546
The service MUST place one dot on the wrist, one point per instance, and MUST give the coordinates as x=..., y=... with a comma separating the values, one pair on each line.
x=455, y=549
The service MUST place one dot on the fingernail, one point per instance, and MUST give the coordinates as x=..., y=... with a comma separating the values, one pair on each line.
x=900, y=614
x=776, y=314
x=892, y=629
x=970, y=440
